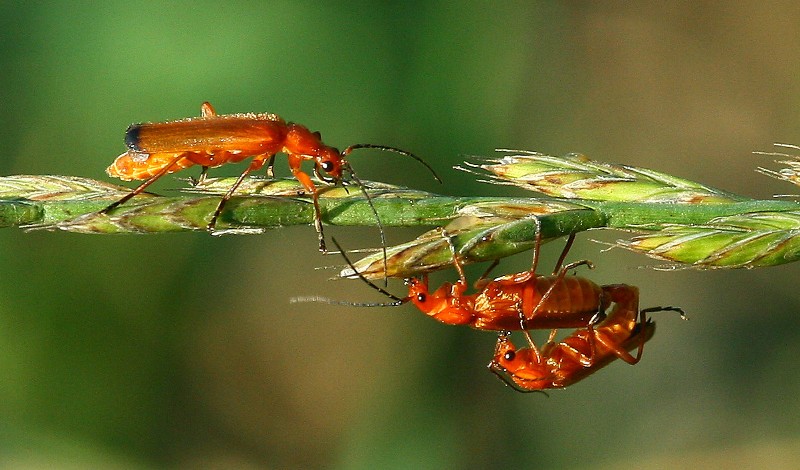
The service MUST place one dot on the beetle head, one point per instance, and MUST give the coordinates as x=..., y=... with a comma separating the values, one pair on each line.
x=329, y=165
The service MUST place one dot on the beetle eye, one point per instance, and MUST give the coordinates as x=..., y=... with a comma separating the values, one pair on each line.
x=421, y=298
x=509, y=356
x=327, y=166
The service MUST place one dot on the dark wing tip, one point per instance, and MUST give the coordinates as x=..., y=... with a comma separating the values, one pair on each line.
x=132, y=137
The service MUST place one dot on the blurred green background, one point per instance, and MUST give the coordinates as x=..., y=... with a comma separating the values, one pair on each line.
x=182, y=351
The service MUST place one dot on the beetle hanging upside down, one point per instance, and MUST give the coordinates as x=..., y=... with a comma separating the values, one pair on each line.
x=586, y=350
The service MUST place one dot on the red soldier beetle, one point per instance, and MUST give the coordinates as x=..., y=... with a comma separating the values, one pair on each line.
x=212, y=140
x=526, y=301
x=513, y=302
x=558, y=365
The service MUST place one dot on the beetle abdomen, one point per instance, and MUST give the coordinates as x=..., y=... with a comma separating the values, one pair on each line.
x=137, y=166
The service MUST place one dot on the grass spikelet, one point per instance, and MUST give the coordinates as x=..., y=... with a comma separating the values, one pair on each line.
x=740, y=241
x=575, y=176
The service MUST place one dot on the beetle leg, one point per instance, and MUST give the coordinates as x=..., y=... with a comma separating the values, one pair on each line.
x=305, y=180
x=537, y=245
x=270, y=167
x=255, y=164
x=206, y=110
x=139, y=189
x=666, y=309
x=625, y=355
x=564, y=252
x=483, y=280
x=591, y=335
x=201, y=178
x=559, y=278
x=621, y=353
x=456, y=261
x=552, y=336
x=525, y=332
x=626, y=307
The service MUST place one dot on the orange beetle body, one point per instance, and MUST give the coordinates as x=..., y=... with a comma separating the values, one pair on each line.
x=212, y=140
x=204, y=141
x=582, y=353
x=513, y=302
x=525, y=301
x=516, y=301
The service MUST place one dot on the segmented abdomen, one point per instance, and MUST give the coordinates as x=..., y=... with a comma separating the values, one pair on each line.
x=131, y=166
x=571, y=304
x=571, y=294
x=573, y=300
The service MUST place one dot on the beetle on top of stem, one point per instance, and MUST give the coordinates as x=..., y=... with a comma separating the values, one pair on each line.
x=212, y=140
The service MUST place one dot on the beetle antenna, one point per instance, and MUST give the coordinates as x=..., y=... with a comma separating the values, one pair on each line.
x=327, y=300
x=377, y=219
x=397, y=300
x=395, y=150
